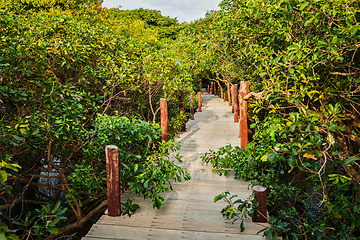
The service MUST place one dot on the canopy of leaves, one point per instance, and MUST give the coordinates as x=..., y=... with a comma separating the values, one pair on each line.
x=75, y=77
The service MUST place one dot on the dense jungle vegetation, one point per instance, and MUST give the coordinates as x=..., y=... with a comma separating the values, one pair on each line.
x=75, y=77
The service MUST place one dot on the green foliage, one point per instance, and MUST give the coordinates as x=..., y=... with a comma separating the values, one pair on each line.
x=145, y=165
x=130, y=208
x=238, y=209
x=66, y=67
x=305, y=129
x=5, y=233
x=42, y=221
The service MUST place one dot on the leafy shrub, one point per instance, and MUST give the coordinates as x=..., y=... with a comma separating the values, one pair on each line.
x=305, y=145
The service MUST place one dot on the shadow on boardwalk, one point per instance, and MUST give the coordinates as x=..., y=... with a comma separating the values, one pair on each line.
x=189, y=211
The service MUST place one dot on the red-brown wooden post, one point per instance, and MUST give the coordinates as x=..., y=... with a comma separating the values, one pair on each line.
x=221, y=93
x=208, y=88
x=243, y=129
x=236, y=104
x=191, y=106
x=228, y=90
x=224, y=96
x=199, y=102
x=232, y=99
x=164, y=119
x=113, y=180
x=260, y=214
x=182, y=113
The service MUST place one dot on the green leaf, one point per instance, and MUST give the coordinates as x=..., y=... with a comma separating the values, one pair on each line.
x=357, y=208
x=53, y=222
x=4, y=227
x=304, y=5
x=13, y=237
x=309, y=21
x=271, y=157
x=349, y=160
x=146, y=184
x=53, y=230
x=3, y=176
x=242, y=227
x=2, y=235
x=13, y=166
x=17, y=137
x=264, y=158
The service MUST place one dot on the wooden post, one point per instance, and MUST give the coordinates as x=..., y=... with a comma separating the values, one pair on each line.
x=222, y=92
x=182, y=113
x=232, y=99
x=208, y=88
x=113, y=180
x=199, y=102
x=224, y=96
x=260, y=214
x=243, y=130
x=164, y=119
x=236, y=104
x=228, y=90
x=191, y=106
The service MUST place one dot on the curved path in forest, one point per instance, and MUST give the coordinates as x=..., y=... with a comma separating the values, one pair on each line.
x=189, y=211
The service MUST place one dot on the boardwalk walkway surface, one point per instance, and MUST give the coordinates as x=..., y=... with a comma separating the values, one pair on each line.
x=189, y=211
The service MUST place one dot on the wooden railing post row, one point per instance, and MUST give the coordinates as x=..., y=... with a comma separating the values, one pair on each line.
x=228, y=90
x=191, y=106
x=199, y=101
x=236, y=104
x=260, y=214
x=113, y=180
x=232, y=99
x=243, y=129
x=164, y=119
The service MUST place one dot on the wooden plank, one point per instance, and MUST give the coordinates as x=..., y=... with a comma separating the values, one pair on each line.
x=110, y=232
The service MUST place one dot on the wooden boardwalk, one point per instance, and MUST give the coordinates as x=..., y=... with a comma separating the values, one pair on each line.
x=189, y=211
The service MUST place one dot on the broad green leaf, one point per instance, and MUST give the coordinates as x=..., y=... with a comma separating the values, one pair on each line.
x=347, y=161
x=17, y=137
x=13, y=237
x=4, y=227
x=264, y=158
x=53, y=230
x=302, y=6
x=3, y=176
x=271, y=157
